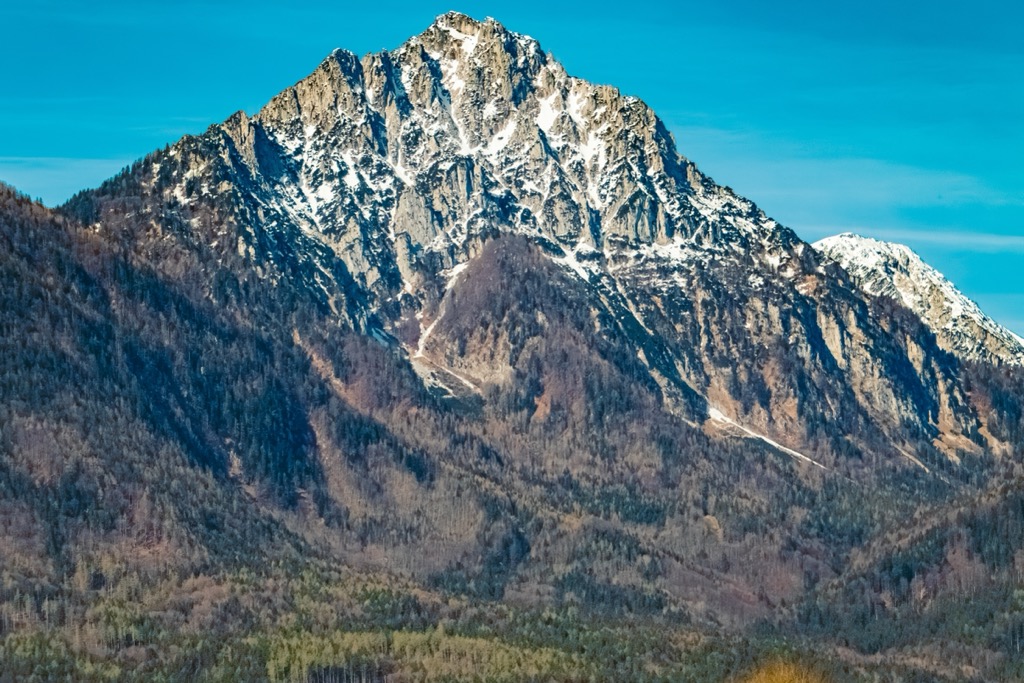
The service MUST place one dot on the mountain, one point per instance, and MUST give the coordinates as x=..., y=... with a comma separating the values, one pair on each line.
x=372, y=183
x=895, y=271
x=448, y=364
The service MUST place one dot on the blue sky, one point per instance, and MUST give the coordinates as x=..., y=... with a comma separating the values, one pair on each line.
x=893, y=119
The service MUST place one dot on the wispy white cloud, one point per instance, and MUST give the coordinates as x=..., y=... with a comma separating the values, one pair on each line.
x=963, y=240
x=819, y=193
x=960, y=240
x=780, y=173
x=55, y=179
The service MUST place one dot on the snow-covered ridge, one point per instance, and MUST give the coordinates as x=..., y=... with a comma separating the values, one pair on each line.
x=894, y=270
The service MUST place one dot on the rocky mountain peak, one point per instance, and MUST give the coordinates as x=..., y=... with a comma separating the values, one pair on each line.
x=373, y=183
x=472, y=107
x=896, y=271
x=469, y=33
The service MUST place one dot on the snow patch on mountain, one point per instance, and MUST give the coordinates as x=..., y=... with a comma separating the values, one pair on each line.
x=718, y=416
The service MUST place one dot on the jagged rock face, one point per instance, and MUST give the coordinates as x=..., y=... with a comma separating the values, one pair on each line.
x=451, y=138
x=372, y=182
x=895, y=271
